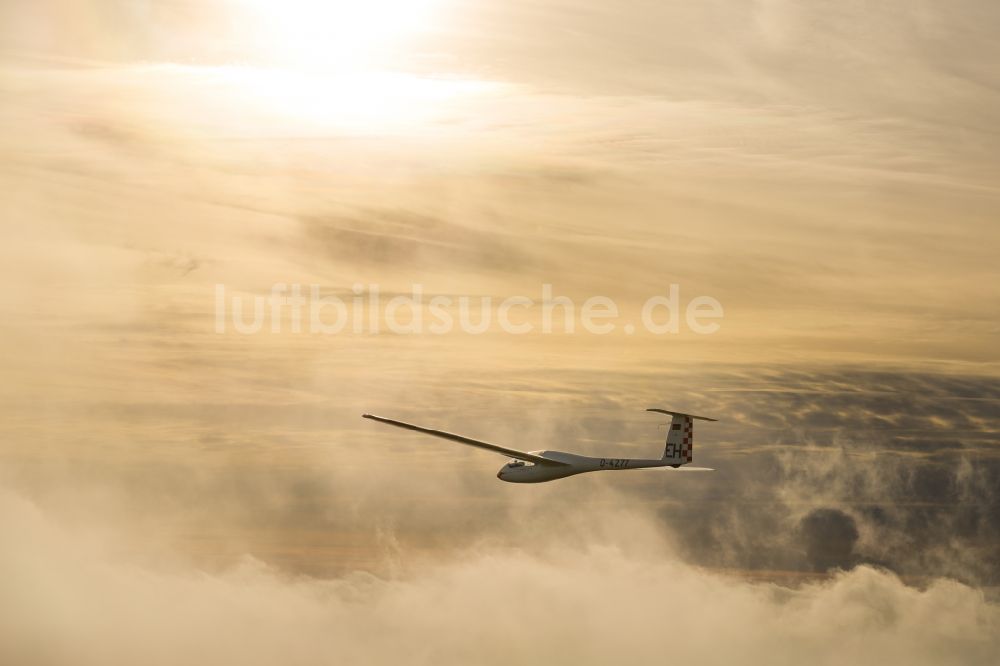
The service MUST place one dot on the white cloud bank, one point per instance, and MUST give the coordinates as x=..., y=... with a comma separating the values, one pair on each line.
x=73, y=599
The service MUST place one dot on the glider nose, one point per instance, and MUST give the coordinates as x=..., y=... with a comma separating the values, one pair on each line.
x=500, y=475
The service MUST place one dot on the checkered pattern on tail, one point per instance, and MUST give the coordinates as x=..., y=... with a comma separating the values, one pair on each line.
x=680, y=439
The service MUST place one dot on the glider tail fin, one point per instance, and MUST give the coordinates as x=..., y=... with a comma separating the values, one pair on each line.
x=680, y=436
x=680, y=439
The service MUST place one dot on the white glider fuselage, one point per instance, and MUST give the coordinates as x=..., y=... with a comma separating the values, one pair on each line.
x=518, y=471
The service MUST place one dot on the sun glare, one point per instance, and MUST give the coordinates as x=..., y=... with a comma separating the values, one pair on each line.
x=361, y=102
x=336, y=34
x=336, y=63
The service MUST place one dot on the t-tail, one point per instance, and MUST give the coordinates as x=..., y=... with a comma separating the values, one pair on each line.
x=679, y=449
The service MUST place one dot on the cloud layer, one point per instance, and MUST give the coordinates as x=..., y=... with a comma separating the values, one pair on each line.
x=69, y=600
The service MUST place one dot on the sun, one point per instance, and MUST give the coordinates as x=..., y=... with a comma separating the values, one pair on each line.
x=339, y=35
x=338, y=65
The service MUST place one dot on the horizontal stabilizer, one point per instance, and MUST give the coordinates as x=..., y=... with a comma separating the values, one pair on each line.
x=690, y=416
x=685, y=468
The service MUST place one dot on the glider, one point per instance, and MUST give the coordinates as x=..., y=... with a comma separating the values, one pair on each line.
x=539, y=466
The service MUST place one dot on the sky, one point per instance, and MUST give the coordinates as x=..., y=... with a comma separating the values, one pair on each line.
x=175, y=489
